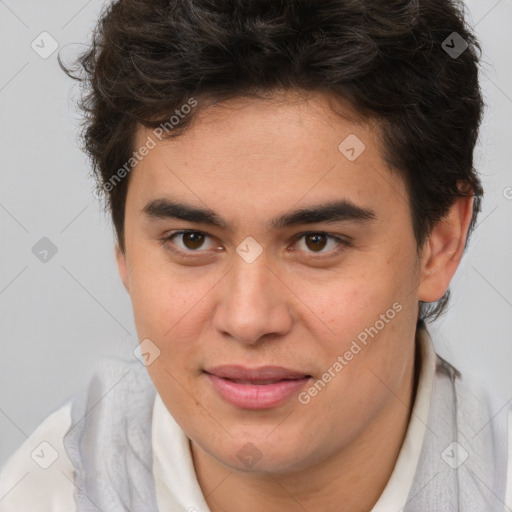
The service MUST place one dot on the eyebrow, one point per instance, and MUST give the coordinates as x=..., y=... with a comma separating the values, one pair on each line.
x=332, y=211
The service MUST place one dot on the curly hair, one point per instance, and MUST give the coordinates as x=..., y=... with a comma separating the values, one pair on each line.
x=388, y=58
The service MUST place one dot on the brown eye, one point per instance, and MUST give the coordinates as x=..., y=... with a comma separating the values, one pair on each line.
x=193, y=240
x=190, y=242
x=315, y=241
x=320, y=243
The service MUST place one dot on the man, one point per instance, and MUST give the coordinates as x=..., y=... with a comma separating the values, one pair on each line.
x=292, y=188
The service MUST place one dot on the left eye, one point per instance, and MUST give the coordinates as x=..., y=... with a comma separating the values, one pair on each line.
x=318, y=241
x=191, y=241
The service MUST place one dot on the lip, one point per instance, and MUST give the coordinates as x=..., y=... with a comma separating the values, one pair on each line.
x=256, y=388
x=262, y=373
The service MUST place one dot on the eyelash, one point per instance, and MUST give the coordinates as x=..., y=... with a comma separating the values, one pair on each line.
x=191, y=254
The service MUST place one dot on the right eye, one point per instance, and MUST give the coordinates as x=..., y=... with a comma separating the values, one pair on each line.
x=191, y=241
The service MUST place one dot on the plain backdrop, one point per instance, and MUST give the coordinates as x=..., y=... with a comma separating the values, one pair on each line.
x=59, y=317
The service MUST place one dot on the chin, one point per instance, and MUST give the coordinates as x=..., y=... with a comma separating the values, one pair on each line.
x=265, y=456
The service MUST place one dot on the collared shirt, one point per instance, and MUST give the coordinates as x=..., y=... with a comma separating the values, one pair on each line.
x=39, y=476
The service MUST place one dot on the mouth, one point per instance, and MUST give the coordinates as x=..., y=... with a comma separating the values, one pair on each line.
x=256, y=388
x=261, y=375
x=256, y=382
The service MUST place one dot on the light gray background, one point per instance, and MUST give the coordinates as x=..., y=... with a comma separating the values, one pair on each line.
x=59, y=318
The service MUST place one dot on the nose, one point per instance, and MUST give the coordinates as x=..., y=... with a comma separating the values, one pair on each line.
x=254, y=303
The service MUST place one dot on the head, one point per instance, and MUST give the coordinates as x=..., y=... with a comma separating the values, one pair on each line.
x=320, y=157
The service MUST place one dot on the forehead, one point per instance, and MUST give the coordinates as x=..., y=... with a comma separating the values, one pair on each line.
x=284, y=125
x=249, y=155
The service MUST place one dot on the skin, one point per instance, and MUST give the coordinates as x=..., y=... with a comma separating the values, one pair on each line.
x=296, y=305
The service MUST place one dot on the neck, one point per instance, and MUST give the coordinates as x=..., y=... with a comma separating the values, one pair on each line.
x=350, y=480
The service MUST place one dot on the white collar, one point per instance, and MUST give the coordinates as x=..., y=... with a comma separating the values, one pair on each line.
x=394, y=496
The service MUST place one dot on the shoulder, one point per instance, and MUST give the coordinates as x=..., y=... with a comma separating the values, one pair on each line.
x=479, y=407
x=39, y=475
x=483, y=422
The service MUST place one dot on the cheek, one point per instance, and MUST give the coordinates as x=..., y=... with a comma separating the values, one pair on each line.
x=353, y=299
x=161, y=295
x=366, y=311
x=171, y=308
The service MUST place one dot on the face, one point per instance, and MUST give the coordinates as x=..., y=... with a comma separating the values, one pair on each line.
x=268, y=276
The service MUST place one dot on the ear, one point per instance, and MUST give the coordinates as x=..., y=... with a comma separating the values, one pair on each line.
x=122, y=267
x=442, y=252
